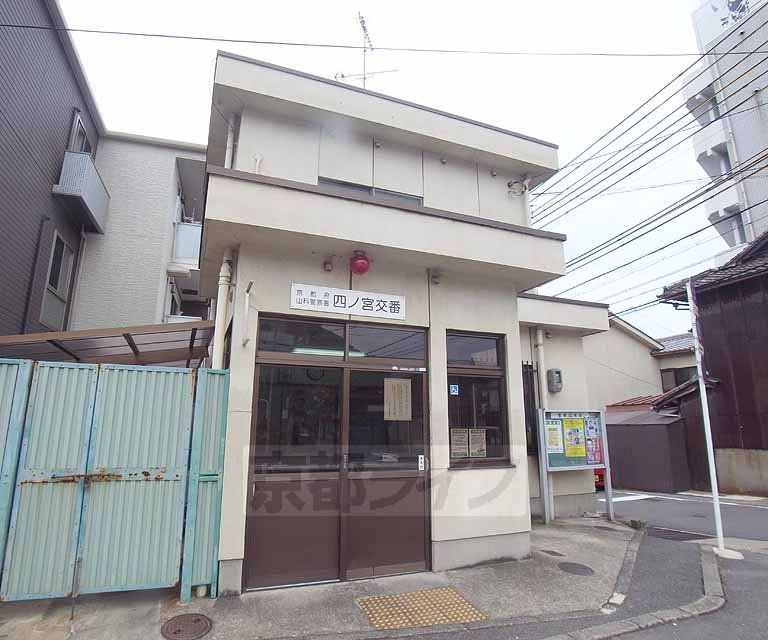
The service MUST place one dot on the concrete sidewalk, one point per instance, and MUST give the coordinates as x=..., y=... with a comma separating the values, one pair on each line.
x=531, y=589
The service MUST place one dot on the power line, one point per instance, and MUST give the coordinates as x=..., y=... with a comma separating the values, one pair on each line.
x=559, y=202
x=633, y=171
x=685, y=237
x=584, y=258
x=650, y=100
x=328, y=45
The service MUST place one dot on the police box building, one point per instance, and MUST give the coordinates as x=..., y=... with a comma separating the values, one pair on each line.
x=368, y=258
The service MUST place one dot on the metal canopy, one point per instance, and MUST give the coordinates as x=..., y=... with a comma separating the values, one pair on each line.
x=178, y=343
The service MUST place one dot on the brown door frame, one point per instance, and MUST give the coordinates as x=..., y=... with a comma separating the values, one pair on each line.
x=347, y=366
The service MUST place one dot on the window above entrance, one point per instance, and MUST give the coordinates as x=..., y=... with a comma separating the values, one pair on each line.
x=362, y=344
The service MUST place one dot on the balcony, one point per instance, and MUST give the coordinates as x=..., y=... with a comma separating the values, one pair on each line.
x=82, y=192
x=186, y=245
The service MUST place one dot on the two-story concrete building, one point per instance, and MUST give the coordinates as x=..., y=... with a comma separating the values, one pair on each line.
x=367, y=257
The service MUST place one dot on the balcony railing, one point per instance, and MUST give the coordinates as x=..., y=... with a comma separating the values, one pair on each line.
x=82, y=192
x=186, y=244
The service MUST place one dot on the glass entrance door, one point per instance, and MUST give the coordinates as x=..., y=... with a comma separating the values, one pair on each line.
x=384, y=493
x=292, y=511
x=338, y=474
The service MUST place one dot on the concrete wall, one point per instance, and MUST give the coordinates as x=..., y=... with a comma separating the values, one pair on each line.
x=618, y=366
x=123, y=278
x=676, y=361
x=478, y=514
x=574, y=491
x=303, y=151
x=742, y=471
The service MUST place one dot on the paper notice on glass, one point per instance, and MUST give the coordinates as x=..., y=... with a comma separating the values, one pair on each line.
x=575, y=441
x=477, y=444
x=554, y=429
x=459, y=443
x=397, y=399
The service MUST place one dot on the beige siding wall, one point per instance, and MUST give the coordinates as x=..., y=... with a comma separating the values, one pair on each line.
x=676, y=361
x=303, y=152
x=122, y=278
x=618, y=367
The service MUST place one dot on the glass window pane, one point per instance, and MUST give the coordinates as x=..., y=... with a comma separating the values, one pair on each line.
x=668, y=379
x=298, y=417
x=473, y=351
x=382, y=342
x=58, y=255
x=475, y=418
x=386, y=420
x=307, y=338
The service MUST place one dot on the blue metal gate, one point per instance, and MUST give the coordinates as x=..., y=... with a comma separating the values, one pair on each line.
x=100, y=493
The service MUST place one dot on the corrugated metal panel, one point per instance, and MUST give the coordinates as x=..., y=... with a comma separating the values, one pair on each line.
x=201, y=541
x=214, y=412
x=207, y=532
x=45, y=520
x=14, y=388
x=133, y=520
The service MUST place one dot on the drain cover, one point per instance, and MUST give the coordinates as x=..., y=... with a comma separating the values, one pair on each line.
x=576, y=568
x=549, y=552
x=674, y=534
x=188, y=626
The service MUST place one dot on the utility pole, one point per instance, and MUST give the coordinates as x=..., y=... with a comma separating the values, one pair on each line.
x=698, y=349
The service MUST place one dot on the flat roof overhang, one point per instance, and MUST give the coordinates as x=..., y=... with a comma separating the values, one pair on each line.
x=563, y=314
x=172, y=344
x=242, y=82
x=244, y=209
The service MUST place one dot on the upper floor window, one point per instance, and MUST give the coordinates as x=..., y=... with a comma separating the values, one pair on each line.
x=78, y=139
x=385, y=195
x=56, y=295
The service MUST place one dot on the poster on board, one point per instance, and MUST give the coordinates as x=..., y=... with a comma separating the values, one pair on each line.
x=459, y=442
x=477, y=444
x=574, y=439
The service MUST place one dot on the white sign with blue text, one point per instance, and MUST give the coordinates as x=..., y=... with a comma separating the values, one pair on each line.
x=311, y=297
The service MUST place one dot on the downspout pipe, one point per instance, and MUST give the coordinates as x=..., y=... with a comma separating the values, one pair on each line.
x=230, y=142
x=222, y=305
x=545, y=493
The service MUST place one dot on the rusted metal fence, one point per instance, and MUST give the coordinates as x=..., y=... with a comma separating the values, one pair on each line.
x=103, y=491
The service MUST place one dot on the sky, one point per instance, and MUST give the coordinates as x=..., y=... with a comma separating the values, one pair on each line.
x=163, y=88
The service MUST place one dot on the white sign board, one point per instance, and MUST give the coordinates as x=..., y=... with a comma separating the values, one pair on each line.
x=312, y=297
x=397, y=399
x=714, y=17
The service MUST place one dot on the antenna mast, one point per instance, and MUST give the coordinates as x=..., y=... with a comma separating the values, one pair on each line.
x=367, y=44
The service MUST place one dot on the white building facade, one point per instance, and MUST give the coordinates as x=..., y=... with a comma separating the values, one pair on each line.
x=366, y=256
x=726, y=95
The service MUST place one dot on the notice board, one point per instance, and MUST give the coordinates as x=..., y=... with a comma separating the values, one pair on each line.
x=574, y=440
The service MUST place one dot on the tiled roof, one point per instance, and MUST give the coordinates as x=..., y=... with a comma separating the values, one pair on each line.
x=751, y=262
x=674, y=344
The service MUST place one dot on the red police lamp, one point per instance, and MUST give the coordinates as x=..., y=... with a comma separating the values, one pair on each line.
x=359, y=263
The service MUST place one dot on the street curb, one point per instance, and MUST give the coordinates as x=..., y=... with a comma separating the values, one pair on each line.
x=624, y=578
x=712, y=600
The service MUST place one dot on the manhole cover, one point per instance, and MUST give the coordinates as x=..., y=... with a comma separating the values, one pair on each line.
x=674, y=534
x=576, y=569
x=188, y=626
x=549, y=552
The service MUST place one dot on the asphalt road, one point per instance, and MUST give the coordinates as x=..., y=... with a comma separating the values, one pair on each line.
x=744, y=616
x=742, y=517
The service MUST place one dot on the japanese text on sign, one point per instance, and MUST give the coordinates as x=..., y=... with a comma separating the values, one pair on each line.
x=359, y=303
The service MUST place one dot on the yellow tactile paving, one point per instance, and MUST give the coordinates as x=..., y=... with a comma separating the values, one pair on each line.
x=425, y=608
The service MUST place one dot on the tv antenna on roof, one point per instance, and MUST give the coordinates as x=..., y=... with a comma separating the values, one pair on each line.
x=367, y=46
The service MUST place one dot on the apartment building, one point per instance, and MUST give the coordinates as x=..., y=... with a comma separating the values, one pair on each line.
x=368, y=257
x=102, y=229
x=726, y=95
